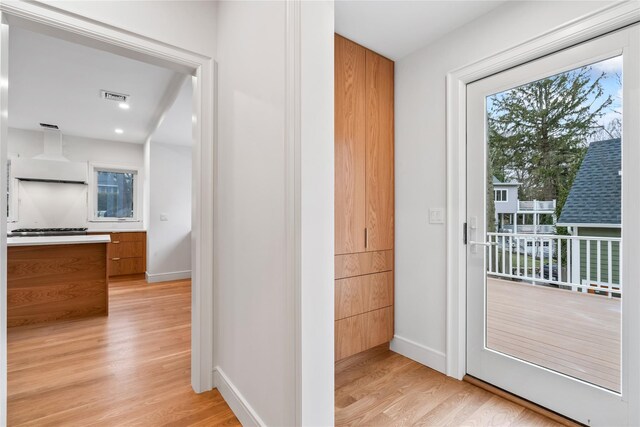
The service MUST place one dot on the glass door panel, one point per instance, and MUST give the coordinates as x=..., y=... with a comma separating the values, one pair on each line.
x=551, y=260
x=553, y=283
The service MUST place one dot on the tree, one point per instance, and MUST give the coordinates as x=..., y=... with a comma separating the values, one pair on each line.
x=538, y=132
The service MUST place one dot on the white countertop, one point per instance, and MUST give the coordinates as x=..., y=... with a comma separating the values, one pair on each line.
x=111, y=230
x=57, y=240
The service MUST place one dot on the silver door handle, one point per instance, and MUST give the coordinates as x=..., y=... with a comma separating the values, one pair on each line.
x=483, y=243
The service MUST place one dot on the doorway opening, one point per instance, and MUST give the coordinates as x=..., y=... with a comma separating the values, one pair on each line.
x=121, y=198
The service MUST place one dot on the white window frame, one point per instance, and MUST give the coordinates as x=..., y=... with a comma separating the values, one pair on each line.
x=506, y=195
x=93, y=191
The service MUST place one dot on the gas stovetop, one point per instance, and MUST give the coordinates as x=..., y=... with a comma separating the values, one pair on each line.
x=29, y=232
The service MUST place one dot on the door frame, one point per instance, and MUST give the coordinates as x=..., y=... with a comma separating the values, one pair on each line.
x=595, y=24
x=52, y=21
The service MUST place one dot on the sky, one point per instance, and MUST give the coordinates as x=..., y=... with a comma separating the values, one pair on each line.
x=610, y=84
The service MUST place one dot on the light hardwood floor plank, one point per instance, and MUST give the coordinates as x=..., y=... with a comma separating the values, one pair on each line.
x=382, y=388
x=131, y=368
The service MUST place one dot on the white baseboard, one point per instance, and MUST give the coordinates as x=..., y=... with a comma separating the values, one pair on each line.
x=240, y=407
x=420, y=353
x=166, y=277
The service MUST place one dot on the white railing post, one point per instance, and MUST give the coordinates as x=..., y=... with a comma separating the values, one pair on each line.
x=504, y=260
x=588, y=268
x=490, y=248
x=559, y=258
x=518, y=256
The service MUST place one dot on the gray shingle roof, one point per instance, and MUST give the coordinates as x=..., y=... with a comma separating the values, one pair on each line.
x=595, y=196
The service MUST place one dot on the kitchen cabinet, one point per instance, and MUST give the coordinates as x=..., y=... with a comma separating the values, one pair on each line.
x=54, y=280
x=127, y=253
x=364, y=198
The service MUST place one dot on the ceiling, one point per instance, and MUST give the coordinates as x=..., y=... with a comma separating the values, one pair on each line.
x=176, y=126
x=59, y=82
x=397, y=28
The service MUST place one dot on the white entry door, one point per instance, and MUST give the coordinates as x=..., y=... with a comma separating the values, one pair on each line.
x=553, y=217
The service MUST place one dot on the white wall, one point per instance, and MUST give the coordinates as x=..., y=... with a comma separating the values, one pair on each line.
x=317, y=212
x=169, y=240
x=66, y=205
x=420, y=299
x=189, y=24
x=256, y=300
x=254, y=318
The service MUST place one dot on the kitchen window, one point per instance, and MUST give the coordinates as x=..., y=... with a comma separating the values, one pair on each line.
x=114, y=193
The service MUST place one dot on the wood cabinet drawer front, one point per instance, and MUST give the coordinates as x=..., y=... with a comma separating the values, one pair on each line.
x=362, y=332
x=379, y=326
x=363, y=263
x=126, y=249
x=128, y=237
x=118, y=267
x=357, y=295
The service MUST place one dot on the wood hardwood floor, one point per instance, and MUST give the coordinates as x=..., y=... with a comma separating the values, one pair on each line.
x=381, y=388
x=132, y=368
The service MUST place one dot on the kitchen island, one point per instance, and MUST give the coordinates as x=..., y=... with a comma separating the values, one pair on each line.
x=52, y=278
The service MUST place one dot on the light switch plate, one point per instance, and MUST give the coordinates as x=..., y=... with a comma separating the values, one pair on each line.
x=164, y=217
x=436, y=216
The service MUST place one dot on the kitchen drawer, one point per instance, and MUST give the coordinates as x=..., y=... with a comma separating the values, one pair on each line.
x=357, y=295
x=128, y=236
x=364, y=331
x=124, y=249
x=363, y=263
x=122, y=266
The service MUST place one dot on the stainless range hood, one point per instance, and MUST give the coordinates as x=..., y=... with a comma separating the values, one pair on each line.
x=51, y=165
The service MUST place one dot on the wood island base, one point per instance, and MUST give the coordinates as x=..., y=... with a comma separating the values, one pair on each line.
x=53, y=282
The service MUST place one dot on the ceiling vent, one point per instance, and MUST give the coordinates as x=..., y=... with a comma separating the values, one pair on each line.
x=113, y=96
x=49, y=126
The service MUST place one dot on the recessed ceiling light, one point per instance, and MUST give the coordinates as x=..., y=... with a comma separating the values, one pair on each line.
x=124, y=105
x=119, y=131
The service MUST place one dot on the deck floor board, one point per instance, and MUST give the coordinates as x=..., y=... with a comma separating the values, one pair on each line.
x=574, y=333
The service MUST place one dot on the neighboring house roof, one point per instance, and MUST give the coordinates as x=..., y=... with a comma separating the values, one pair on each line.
x=496, y=181
x=595, y=196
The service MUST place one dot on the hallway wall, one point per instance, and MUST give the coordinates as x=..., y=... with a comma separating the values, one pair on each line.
x=275, y=259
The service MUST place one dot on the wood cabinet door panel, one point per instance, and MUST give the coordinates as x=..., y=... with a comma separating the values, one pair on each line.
x=140, y=236
x=349, y=146
x=363, y=263
x=364, y=331
x=379, y=324
x=126, y=249
x=379, y=153
x=118, y=267
x=357, y=295
x=350, y=336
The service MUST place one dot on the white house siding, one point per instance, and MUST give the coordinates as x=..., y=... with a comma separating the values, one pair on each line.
x=511, y=205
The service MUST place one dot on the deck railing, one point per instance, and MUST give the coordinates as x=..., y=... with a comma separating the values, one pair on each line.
x=579, y=263
x=530, y=229
x=536, y=205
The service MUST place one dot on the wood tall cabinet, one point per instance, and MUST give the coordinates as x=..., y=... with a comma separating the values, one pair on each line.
x=364, y=198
